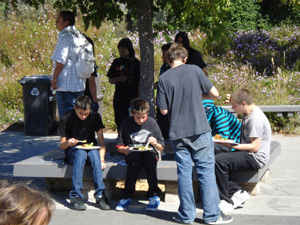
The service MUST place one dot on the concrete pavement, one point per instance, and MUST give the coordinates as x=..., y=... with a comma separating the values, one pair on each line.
x=277, y=203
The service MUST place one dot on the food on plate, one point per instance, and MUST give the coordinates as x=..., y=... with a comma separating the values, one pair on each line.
x=140, y=148
x=219, y=137
x=88, y=145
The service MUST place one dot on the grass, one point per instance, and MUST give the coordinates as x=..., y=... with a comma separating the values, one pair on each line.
x=267, y=68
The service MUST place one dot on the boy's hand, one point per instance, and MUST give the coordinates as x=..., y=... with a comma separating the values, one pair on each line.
x=124, y=150
x=72, y=142
x=153, y=141
x=103, y=164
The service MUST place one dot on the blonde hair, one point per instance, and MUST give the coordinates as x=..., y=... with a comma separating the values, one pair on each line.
x=22, y=205
x=242, y=95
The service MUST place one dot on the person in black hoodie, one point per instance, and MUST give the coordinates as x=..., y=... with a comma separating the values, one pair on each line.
x=194, y=56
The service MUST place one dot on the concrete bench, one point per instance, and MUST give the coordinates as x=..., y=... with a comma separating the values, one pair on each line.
x=281, y=110
x=58, y=173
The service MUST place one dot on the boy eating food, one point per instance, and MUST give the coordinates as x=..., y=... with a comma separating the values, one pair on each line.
x=139, y=130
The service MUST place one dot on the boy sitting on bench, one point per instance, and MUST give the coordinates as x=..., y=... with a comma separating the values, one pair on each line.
x=251, y=154
x=81, y=124
x=136, y=132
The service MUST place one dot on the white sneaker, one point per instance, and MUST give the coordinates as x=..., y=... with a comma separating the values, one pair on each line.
x=239, y=198
x=226, y=207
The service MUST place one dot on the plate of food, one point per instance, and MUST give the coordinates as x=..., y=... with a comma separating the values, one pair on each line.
x=219, y=139
x=87, y=146
x=139, y=149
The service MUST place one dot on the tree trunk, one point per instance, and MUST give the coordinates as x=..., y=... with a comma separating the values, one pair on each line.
x=144, y=17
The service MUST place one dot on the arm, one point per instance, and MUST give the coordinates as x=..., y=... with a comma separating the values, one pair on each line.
x=205, y=71
x=124, y=150
x=155, y=144
x=57, y=70
x=251, y=147
x=93, y=88
x=117, y=79
x=102, y=147
x=164, y=111
x=213, y=93
x=64, y=143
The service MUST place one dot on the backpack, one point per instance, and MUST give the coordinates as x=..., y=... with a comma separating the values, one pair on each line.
x=85, y=63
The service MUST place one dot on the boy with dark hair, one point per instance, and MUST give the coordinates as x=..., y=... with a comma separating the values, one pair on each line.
x=80, y=124
x=65, y=81
x=251, y=154
x=140, y=130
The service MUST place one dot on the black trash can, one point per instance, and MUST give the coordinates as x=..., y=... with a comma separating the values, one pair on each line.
x=39, y=105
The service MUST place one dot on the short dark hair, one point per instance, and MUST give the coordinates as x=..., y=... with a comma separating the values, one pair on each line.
x=242, y=95
x=83, y=102
x=176, y=51
x=126, y=43
x=68, y=16
x=139, y=105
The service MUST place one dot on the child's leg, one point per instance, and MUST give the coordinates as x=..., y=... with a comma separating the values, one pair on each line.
x=95, y=161
x=150, y=164
x=134, y=163
x=78, y=158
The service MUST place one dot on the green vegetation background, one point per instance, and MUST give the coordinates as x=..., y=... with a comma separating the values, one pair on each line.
x=28, y=38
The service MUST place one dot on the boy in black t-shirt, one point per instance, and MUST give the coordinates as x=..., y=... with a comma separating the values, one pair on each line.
x=139, y=132
x=81, y=124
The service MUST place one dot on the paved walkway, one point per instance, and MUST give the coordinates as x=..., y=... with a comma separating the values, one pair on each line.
x=278, y=202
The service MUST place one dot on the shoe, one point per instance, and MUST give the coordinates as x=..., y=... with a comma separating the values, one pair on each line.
x=226, y=207
x=123, y=204
x=102, y=203
x=223, y=219
x=76, y=203
x=239, y=198
x=153, y=203
x=177, y=220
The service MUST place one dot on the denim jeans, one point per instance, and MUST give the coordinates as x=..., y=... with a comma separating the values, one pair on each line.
x=66, y=101
x=78, y=158
x=200, y=150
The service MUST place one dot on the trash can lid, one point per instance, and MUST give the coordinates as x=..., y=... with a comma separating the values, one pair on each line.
x=35, y=79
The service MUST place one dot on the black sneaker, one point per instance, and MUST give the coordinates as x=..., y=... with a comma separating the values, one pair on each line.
x=102, y=203
x=77, y=204
x=223, y=219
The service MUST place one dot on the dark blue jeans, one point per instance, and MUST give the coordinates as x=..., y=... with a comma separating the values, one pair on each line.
x=78, y=158
x=66, y=101
x=197, y=150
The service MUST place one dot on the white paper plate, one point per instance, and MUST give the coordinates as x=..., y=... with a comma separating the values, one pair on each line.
x=88, y=148
x=232, y=142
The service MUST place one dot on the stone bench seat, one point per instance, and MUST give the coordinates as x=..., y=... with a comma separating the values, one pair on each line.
x=51, y=165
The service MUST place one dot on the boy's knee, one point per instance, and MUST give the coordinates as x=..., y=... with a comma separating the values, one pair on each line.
x=81, y=154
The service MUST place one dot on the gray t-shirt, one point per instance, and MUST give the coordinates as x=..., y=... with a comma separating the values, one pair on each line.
x=257, y=125
x=180, y=92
